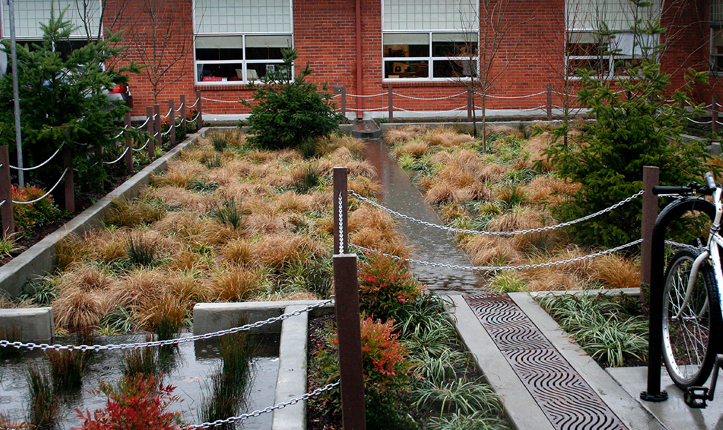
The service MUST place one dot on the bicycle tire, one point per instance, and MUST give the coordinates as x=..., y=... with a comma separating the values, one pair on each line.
x=690, y=343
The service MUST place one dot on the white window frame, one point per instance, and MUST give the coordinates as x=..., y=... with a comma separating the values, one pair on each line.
x=474, y=29
x=430, y=59
x=243, y=62
x=716, y=26
x=612, y=57
x=39, y=35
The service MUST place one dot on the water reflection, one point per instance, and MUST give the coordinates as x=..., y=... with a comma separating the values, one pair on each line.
x=430, y=244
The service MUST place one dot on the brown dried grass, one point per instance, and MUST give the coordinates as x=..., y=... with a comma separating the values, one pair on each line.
x=404, y=133
x=283, y=250
x=238, y=252
x=293, y=202
x=505, y=130
x=548, y=189
x=128, y=213
x=86, y=278
x=179, y=174
x=77, y=309
x=140, y=286
x=188, y=228
x=415, y=148
x=365, y=186
x=181, y=198
x=447, y=137
x=616, y=271
x=185, y=286
x=487, y=250
x=236, y=284
x=552, y=279
x=167, y=308
x=72, y=249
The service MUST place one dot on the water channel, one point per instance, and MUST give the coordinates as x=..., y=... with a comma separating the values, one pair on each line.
x=430, y=244
x=193, y=365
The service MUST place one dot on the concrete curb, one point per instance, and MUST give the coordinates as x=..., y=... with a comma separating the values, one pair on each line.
x=521, y=409
x=291, y=381
x=34, y=324
x=38, y=259
x=618, y=400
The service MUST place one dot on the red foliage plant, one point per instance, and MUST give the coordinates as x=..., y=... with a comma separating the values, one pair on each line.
x=137, y=403
x=385, y=286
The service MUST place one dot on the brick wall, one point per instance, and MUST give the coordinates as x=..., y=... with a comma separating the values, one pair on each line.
x=529, y=57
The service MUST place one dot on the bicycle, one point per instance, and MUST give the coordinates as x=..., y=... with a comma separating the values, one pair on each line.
x=692, y=320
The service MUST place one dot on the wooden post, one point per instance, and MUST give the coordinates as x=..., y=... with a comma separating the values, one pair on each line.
x=549, y=102
x=714, y=113
x=199, y=120
x=183, y=109
x=341, y=233
x=6, y=193
x=469, y=105
x=68, y=182
x=149, y=127
x=346, y=289
x=172, y=122
x=651, y=175
x=391, y=104
x=157, y=129
x=128, y=158
x=343, y=102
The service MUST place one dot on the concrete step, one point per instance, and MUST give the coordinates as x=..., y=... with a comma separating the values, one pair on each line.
x=366, y=129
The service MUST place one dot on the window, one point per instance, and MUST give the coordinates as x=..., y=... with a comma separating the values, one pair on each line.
x=240, y=41
x=610, y=54
x=29, y=14
x=716, y=36
x=425, y=39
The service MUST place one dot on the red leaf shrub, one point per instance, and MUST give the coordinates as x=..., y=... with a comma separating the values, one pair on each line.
x=136, y=403
x=385, y=286
x=33, y=214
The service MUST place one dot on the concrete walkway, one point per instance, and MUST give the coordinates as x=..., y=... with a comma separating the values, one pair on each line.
x=547, y=382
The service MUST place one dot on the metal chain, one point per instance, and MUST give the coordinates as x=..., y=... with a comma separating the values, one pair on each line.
x=195, y=117
x=341, y=224
x=194, y=104
x=429, y=98
x=108, y=347
x=168, y=114
x=496, y=233
x=501, y=268
x=510, y=97
x=266, y=410
x=143, y=125
x=46, y=194
x=25, y=169
x=143, y=147
x=366, y=96
x=119, y=158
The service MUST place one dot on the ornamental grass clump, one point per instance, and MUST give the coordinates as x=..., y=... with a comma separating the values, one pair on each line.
x=43, y=400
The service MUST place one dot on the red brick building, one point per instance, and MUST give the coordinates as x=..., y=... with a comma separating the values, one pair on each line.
x=423, y=51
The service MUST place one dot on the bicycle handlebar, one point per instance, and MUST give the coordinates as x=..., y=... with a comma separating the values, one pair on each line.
x=658, y=190
x=709, y=180
x=692, y=188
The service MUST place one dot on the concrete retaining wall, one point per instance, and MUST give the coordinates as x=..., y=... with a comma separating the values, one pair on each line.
x=27, y=324
x=38, y=259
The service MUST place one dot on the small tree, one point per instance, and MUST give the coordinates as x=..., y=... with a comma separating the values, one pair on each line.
x=288, y=111
x=632, y=126
x=65, y=101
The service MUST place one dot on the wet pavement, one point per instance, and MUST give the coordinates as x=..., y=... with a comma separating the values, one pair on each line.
x=430, y=244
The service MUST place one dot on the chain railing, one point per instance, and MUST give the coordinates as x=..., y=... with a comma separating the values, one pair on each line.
x=266, y=410
x=27, y=169
x=503, y=268
x=495, y=233
x=176, y=341
x=46, y=194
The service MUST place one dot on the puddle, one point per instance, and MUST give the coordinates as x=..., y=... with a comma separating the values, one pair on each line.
x=194, y=364
x=430, y=244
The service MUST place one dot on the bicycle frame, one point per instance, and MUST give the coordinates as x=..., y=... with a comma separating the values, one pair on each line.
x=712, y=252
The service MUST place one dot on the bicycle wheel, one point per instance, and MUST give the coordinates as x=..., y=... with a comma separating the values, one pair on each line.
x=690, y=329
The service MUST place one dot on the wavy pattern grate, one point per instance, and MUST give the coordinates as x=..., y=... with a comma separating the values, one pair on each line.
x=562, y=394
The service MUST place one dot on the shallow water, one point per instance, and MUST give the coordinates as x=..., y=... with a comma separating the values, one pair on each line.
x=430, y=244
x=193, y=366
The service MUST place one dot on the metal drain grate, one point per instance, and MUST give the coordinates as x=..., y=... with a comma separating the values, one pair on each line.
x=562, y=394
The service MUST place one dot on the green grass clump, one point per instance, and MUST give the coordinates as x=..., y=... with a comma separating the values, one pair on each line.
x=602, y=326
x=43, y=400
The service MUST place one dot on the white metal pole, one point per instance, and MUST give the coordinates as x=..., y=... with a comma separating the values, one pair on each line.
x=16, y=93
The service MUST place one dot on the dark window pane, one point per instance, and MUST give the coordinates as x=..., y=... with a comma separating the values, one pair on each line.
x=406, y=69
x=221, y=72
x=406, y=50
x=454, y=49
x=600, y=66
x=263, y=53
x=207, y=54
x=215, y=54
x=457, y=68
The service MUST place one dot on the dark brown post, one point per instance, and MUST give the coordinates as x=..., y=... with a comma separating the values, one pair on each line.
x=172, y=122
x=199, y=119
x=714, y=113
x=391, y=104
x=343, y=102
x=341, y=233
x=157, y=129
x=6, y=193
x=149, y=128
x=469, y=105
x=183, y=109
x=128, y=158
x=346, y=289
x=651, y=175
x=68, y=182
x=549, y=102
